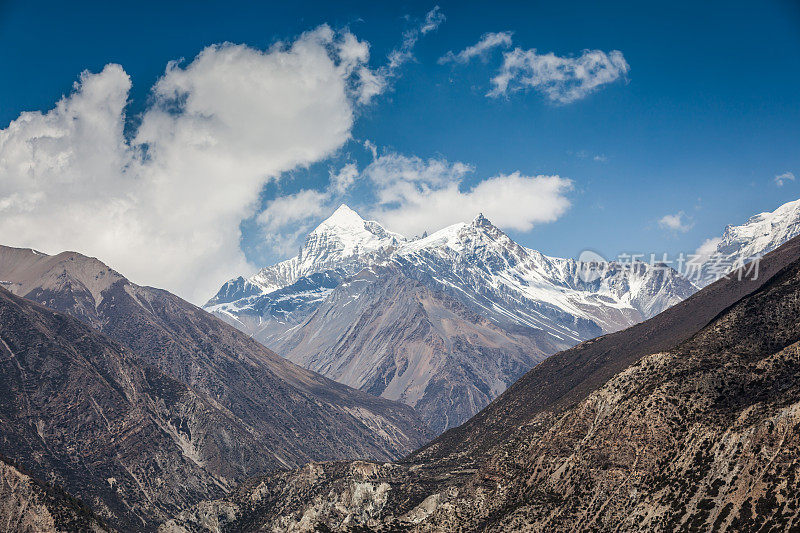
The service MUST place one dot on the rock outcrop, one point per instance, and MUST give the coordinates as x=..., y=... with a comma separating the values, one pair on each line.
x=28, y=505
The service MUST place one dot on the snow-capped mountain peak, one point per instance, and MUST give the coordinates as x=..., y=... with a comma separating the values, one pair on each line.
x=463, y=309
x=741, y=244
x=477, y=244
x=342, y=236
x=765, y=231
x=511, y=284
x=343, y=218
x=344, y=241
x=477, y=236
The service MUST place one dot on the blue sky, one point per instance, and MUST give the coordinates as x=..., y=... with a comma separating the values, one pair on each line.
x=704, y=119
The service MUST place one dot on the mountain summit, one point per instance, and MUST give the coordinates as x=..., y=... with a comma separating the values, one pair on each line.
x=344, y=238
x=344, y=242
x=443, y=323
x=739, y=245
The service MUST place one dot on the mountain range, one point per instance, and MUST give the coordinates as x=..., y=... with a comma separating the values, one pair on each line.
x=124, y=406
x=687, y=421
x=140, y=403
x=443, y=323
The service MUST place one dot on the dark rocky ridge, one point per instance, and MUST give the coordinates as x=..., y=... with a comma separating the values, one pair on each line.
x=81, y=412
x=295, y=414
x=701, y=434
x=113, y=426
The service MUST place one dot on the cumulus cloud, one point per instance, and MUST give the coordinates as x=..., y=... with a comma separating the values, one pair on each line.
x=677, y=222
x=780, y=179
x=165, y=207
x=480, y=49
x=413, y=195
x=416, y=195
x=561, y=79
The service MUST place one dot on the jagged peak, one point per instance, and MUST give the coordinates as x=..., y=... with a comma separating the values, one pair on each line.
x=481, y=220
x=343, y=216
x=346, y=224
x=764, y=231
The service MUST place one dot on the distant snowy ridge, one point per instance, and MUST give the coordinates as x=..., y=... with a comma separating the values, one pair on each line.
x=444, y=322
x=514, y=284
x=447, y=321
x=476, y=262
x=742, y=244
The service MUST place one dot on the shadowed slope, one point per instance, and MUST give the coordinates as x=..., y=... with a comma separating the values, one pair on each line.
x=81, y=411
x=295, y=414
x=28, y=505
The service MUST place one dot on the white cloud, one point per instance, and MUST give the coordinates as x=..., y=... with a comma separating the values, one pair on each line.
x=342, y=180
x=165, y=207
x=292, y=209
x=371, y=83
x=480, y=49
x=677, y=222
x=780, y=179
x=706, y=250
x=416, y=195
x=561, y=79
x=404, y=53
x=433, y=19
x=369, y=145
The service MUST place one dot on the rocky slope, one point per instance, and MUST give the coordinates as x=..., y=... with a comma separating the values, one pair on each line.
x=701, y=434
x=507, y=307
x=283, y=406
x=740, y=245
x=28, y=505
x=81, y=412
x=390, y=335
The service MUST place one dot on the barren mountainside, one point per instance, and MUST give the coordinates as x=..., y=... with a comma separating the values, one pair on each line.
x=118, y=426
x=392, y=336
x=702, y=433
x=28, y=505
x=84, y=413
x=508, y=308
x=284, y=406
